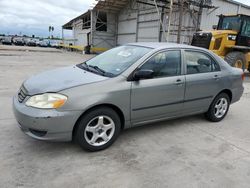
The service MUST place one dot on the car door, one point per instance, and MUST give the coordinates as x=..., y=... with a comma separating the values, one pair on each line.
x=203, y=81
x=161, y=96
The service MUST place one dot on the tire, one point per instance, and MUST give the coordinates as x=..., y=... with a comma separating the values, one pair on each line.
x=98, y=129
x=213, y=114
x=236, y=59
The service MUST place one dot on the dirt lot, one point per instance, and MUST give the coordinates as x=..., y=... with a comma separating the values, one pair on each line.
x=188, y=152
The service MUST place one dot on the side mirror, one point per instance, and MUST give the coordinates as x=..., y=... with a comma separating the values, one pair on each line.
x=214, y=27
x=143, y=74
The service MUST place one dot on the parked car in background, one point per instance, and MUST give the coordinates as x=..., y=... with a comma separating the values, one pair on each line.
x=1, y=38
x=37, y=42
x=127, y=86
x=18, y=41
x=54, y=44
x=43, y=43
x=7, y=40
x=30, y=42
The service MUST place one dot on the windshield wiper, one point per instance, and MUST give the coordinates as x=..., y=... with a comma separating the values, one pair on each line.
x=95, y=69
x=83, y=66
x=101, y=71
x=98, y=69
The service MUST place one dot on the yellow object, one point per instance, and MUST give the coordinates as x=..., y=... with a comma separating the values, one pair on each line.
x=222, y=35
x=80, y=48
x=98, y=50
x=225, y=40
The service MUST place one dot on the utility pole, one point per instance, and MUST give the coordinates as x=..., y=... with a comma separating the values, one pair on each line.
x=170, y=19
x=199, y=14
x=180, y=21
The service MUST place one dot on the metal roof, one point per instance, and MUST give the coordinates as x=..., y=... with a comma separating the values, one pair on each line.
x=69, y=24
x=116, y=6
x=111, y=5
x=238, y=3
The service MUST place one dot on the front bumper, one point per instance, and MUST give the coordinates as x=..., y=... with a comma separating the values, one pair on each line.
x=50, y=125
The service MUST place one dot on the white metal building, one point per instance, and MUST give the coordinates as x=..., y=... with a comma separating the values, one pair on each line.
x=113, y=22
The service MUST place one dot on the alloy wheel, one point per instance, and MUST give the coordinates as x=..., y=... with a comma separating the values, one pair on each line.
x=221, y=107
x=99, y=130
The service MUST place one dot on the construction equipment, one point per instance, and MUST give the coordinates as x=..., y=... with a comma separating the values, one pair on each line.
x=230, y=39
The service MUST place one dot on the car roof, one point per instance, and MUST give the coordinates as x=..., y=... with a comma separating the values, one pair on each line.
x=162, y=45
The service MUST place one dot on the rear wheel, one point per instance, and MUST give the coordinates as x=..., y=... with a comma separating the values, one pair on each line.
x=236, y=59
x=219, y=108
x=98, y=129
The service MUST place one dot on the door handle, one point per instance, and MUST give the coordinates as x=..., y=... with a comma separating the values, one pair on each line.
x=216, y=77
x=179, y=82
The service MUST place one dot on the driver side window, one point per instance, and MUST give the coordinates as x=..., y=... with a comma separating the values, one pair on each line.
x=164, y=64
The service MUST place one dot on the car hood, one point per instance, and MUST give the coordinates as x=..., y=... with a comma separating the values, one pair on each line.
x=60, y=79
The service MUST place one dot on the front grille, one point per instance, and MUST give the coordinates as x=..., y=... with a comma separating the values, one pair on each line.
x=22, y=94
x=202, y=40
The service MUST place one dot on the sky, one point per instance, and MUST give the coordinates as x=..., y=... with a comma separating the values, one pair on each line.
x=35, y=16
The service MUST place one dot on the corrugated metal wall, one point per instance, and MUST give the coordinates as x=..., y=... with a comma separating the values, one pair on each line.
x=127, y=26
x=104, y=39
x=79, y=34
x=148, y=25
x=142, y=24
x=138, y=24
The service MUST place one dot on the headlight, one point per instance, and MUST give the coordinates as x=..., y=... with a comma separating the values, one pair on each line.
x=231, y=37
x=47, y=101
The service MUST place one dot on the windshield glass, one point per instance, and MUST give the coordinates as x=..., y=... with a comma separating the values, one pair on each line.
x=118, y=59
x=230, y=23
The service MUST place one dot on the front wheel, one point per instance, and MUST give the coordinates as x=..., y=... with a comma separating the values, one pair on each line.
x=219, y=108
x=98, y=129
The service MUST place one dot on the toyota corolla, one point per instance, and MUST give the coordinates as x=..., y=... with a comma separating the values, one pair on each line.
x=127, y=86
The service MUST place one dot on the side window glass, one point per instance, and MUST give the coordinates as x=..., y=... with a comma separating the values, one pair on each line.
x=198, y=62
x=246, y=29
x=164, y=64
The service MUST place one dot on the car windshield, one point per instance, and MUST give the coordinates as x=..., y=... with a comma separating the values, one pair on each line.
x=115, y=61
x=230, y=23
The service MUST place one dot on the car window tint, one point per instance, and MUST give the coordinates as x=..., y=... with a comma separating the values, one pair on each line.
x=246, y=28
x=198, y=62
x=164, y=64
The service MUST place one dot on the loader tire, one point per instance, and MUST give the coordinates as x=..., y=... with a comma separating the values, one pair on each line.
x=236, y=59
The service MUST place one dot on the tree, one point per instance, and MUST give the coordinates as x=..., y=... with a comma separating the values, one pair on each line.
x=51, y=29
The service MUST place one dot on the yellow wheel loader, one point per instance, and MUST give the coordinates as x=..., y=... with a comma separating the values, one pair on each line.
x=230, y=39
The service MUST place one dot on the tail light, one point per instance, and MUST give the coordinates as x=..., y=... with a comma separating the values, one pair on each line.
x=243, y=76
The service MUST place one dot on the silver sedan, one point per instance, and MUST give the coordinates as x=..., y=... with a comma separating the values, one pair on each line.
x=124, y=87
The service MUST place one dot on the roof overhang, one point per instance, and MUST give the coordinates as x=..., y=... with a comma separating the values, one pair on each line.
x=69, y=24
x=238, y=3
x=110, y=5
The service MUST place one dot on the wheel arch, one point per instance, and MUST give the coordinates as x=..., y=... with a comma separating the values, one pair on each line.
x=228, y=92
x=112, y=106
